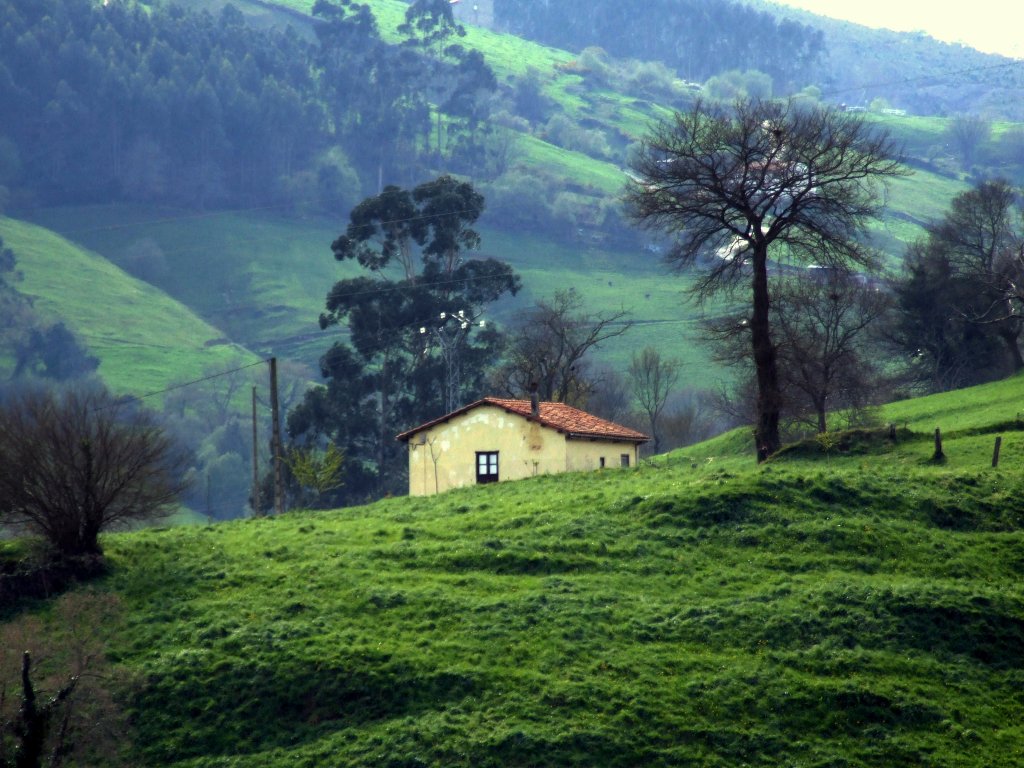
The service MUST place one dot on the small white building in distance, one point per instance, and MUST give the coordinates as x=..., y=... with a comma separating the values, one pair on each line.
x=494, y=439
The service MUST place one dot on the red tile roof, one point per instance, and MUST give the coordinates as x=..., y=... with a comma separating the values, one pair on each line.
x=559, y=416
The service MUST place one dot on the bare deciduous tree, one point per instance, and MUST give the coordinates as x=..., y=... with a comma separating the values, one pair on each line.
x=824, y=322
x=653, y=379
x=550, y=346
x=824, y=343
x=80, y=462
x=739, y=185
x=966, y=133
x=981, y=238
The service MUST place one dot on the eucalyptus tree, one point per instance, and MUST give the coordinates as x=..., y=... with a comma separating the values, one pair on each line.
x=386, y=374
x=740, y=185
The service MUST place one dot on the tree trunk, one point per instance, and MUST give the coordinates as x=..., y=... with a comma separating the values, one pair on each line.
x=769, y=396
x=1009, y=338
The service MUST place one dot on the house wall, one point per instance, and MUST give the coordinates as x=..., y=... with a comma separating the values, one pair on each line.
x=444, y=456
x=582, y=455
x=448, y=451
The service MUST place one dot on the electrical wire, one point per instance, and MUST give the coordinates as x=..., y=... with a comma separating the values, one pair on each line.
x=193, y=382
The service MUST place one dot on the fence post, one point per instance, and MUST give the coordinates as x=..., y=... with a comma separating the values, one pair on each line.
x=995, y=452
x=939, y=455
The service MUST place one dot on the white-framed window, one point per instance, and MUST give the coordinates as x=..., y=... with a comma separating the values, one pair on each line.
x=487, y=466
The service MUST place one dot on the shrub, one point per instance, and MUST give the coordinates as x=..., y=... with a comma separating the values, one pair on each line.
x=79, y=462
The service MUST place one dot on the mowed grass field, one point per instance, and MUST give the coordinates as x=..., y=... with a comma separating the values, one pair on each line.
x=858, y=608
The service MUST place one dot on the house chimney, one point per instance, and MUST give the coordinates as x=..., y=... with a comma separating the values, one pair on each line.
x=534, y=401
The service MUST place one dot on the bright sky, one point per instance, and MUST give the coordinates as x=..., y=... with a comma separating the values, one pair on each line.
x=993, y=26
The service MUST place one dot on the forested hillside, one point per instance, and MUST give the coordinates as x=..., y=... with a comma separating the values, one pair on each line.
x=697, y=39
x=910, y=70
x=794, y=49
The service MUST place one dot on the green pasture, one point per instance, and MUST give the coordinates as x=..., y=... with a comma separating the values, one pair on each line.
x=144, y=339
x=1000, y=402
x=262, y=279
x=861, y=607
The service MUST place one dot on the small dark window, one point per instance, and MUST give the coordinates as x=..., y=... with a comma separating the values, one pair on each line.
x=487, y=466
x=602, y=462
x=624, y=459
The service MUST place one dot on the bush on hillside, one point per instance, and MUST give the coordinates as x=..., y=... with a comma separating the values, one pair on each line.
x=79, y=462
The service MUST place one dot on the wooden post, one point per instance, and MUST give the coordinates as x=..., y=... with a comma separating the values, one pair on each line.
x=275, y=439
x=256, y=511
x=995, y=452
x=939, y=455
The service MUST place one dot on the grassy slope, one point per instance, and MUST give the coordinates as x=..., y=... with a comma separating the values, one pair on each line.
x=144, y=339
x=855, y=610
x=263, y=280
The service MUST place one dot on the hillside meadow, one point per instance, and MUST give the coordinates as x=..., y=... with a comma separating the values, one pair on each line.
x=262, y=279
x=855, y=607
x=145, y=340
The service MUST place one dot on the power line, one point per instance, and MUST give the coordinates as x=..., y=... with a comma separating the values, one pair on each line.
x=193, y=382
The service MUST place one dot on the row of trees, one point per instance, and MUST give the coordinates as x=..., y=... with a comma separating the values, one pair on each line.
x=695, y=38
x=122, y=100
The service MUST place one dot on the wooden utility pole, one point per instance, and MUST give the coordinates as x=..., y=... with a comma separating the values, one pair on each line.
x=256, y=511
x=275, y=439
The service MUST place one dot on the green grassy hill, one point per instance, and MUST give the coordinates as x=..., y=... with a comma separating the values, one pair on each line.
x=144, y=339
x=262, y=280
x=861, y=608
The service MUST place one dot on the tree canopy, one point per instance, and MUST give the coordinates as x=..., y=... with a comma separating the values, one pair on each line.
x=962, y=297
x=415, y=347
x=739, y=185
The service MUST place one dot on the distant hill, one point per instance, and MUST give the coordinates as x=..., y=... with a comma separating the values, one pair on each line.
x=145, y=340
x=910, y=70
x=849, y=62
